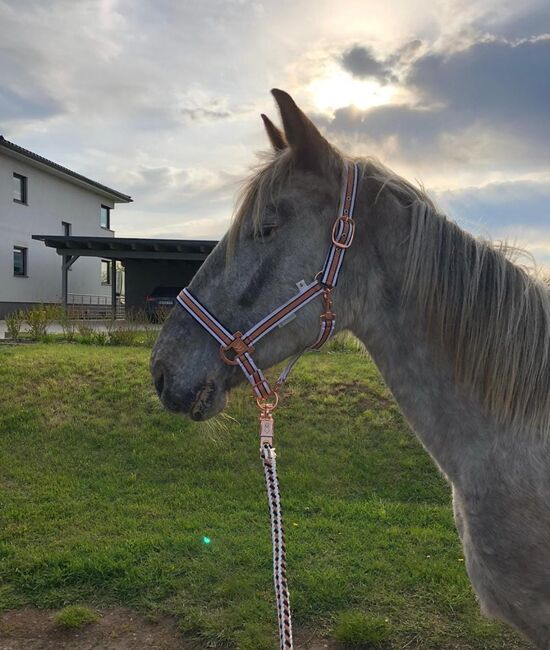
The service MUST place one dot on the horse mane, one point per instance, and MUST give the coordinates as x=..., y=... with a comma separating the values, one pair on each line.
x=488, y=314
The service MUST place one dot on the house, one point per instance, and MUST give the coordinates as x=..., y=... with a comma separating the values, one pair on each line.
x=40, y=196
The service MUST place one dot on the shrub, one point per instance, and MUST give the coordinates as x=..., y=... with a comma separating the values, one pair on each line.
x=54, y=312
x=75, y=616
x=122, y=335
x=361, y=630
x=14, y=323
x=38, y=319
x=68, y=324
x=150, y=336
x=126, y=332
x=99, y=338
x=162, y=313
x=84, y=329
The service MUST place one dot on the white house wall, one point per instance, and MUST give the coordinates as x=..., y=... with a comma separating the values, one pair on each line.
x=51, y=200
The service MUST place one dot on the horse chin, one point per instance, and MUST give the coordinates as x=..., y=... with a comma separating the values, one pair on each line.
x=209, y=402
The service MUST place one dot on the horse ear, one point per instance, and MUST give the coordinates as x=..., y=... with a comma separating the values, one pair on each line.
x=274, y=134
x=303, y=137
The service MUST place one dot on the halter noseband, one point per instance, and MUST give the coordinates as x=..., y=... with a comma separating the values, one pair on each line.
x=236, y=349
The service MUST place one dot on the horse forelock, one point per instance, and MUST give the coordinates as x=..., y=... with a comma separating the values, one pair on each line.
x=260, y=188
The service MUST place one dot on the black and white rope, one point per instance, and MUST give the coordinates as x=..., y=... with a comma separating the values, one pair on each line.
x=279, y=550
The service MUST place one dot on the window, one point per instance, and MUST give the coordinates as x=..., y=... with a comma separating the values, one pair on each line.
x=19, y=188
x=20, y=261
x=105, y=217
x=67, y=227
x=106, y=272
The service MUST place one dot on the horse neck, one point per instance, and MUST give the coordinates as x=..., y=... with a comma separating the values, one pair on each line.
x=449, y=422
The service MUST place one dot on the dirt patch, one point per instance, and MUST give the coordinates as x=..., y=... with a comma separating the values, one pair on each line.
x=117, y=629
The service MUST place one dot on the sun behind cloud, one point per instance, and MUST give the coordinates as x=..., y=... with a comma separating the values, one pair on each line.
x=338, y=88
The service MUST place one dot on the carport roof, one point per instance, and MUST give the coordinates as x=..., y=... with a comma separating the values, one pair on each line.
x=121, y=248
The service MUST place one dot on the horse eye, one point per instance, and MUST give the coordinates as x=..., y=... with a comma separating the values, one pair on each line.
x=266, y=230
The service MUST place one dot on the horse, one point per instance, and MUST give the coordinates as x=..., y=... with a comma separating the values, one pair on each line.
x=459, y=332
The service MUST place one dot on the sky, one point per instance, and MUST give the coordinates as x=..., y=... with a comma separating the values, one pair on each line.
x=161, y=99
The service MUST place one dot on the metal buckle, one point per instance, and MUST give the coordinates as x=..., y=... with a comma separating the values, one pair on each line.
x=266, y=420
x=238, y=346
x=328, y=315
x=343, y=243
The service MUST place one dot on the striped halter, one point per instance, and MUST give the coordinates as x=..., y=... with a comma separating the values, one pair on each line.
x=241, y=346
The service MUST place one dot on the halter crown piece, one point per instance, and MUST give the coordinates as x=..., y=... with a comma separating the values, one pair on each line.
x=236, y=350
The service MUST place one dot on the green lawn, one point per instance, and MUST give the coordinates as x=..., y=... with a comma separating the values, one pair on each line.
x=106, y=499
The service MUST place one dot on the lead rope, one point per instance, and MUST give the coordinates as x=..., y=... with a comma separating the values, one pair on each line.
x=269, y=462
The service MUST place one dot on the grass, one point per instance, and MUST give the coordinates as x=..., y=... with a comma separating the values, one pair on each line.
x=74, y=617
x=356, y=629
x=107, y=499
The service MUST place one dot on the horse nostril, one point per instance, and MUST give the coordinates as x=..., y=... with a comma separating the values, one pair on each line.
x=159, y=383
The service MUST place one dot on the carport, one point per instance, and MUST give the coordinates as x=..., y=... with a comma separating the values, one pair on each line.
x=147, y=262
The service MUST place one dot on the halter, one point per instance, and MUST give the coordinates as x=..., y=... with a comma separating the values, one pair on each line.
x=237, y=349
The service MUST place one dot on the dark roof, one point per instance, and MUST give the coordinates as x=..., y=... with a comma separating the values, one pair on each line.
x=118, y=197
x=121, y=248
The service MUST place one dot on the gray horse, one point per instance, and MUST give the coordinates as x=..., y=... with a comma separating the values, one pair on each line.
x=460, y=334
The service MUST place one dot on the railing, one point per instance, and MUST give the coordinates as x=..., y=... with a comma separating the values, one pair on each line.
x=93, y=307
x=90, y=299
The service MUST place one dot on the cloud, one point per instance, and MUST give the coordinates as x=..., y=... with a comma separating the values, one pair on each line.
x=161, y=99
x=527, y=19
x=199, y=113
x=515, y=211
x=15, y=106
x=362, y=63
x=502, y=205
x=481, y=107
x=491, y=79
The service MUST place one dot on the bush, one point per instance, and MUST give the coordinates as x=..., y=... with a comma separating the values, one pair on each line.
x=76, y=616
x=127, y=332
x=150, y=336
x=162, y=313
x=122, y=335
x=14, y=323
x=361, y=630
x=84, y=329
x=68, y=324
x=38, y=319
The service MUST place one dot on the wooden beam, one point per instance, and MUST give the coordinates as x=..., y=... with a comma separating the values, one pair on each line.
x=145, y=255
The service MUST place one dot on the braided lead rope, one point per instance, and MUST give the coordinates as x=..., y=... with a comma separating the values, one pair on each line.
x=279, y=550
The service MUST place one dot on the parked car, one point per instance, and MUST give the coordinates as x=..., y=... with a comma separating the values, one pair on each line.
x=160, y=301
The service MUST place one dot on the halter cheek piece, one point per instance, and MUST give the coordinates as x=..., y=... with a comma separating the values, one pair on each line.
x=236, y=349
